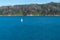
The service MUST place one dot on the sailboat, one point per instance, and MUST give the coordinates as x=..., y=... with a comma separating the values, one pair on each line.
x=21, y=20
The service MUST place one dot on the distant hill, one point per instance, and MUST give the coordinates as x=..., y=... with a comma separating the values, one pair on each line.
x=47, y=9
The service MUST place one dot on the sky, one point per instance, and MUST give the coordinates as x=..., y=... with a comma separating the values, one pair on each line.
x=22, y=2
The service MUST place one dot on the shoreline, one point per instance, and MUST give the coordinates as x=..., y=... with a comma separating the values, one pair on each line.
x=20, y=15
x=30, y=15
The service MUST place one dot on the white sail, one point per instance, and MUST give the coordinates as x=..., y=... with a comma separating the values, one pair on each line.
x=21, y=20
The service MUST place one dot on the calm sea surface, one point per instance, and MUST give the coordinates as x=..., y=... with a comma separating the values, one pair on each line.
x=32, y=28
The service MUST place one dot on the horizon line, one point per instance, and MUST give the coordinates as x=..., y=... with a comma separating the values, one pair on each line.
x=27, y=4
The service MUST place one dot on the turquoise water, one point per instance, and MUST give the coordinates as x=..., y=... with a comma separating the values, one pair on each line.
x=32, y=28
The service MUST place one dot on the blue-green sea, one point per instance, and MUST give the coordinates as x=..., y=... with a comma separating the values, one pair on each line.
x=32, y=28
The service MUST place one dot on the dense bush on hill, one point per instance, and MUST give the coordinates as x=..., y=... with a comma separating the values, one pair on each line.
x=31, y=9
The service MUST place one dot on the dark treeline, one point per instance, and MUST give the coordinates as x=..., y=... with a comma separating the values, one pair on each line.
x=31, y=9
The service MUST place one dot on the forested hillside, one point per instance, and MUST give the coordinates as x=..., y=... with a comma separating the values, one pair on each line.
x=51, y=9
